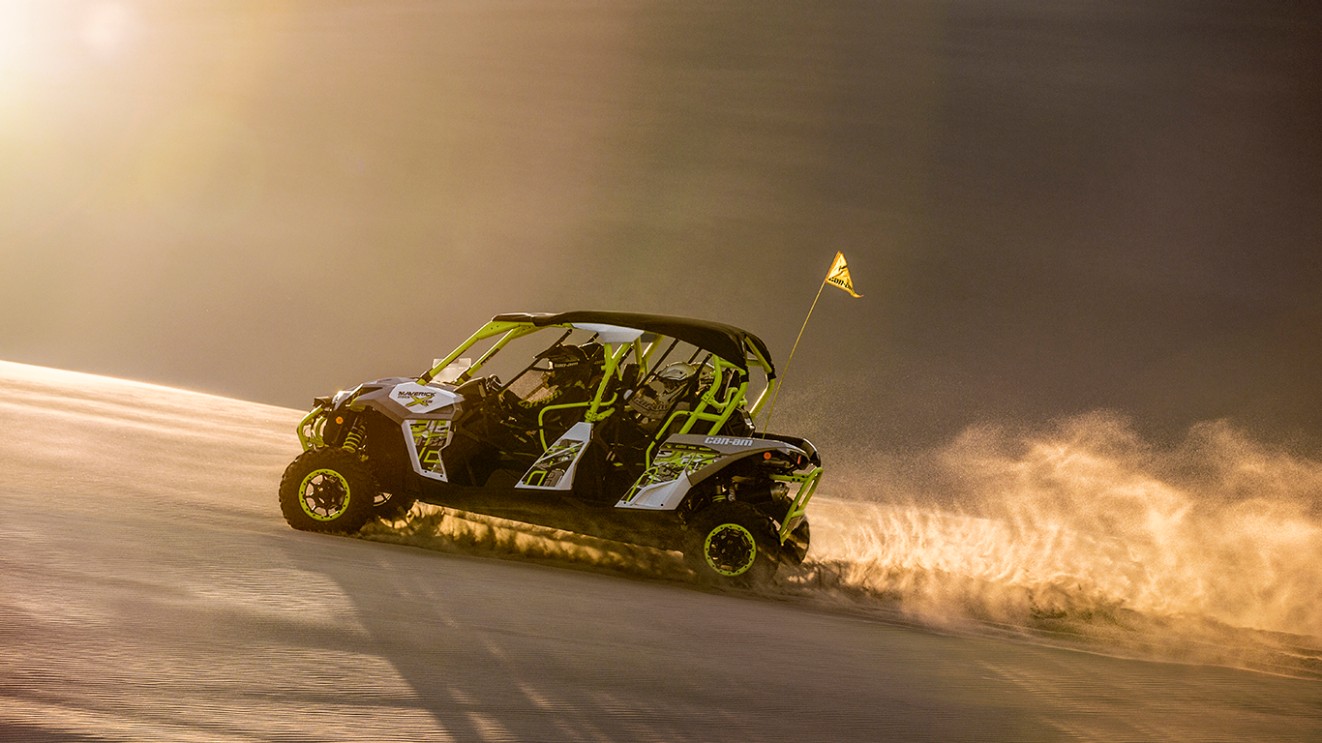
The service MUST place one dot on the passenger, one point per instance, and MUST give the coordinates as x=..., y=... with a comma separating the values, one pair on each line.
x=670, y=389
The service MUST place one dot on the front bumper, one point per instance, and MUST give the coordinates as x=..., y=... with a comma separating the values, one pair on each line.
x=807, y=482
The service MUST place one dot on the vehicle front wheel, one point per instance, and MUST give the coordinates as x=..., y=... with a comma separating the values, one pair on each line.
x=732, y=544
x=327, y=489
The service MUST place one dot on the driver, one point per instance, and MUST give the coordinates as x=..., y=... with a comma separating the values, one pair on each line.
x=571, y=375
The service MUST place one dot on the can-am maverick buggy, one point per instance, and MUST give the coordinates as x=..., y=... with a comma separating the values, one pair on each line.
x=629, y=427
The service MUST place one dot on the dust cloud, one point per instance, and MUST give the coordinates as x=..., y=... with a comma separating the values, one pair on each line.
x=1088, y=517
x=1085, y=534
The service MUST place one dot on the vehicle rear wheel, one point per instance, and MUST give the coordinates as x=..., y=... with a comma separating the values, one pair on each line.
x=732, y=544
x=391, y=505
x=327, y=489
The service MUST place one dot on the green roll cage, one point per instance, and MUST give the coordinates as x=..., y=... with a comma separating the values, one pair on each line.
x=711, y=410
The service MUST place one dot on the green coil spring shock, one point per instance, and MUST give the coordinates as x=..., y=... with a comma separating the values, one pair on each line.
x=354, y=439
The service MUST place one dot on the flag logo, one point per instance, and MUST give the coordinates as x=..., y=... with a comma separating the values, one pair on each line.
x=838, y=276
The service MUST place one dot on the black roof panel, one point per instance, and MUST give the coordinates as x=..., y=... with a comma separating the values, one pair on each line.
x=725, y=341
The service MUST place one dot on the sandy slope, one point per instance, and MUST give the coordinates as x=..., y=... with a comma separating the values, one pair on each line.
x=149, y=590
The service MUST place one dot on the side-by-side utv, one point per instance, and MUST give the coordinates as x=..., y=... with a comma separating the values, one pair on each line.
x=629, y=427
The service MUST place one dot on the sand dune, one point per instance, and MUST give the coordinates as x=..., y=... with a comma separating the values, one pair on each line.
x=149, y=590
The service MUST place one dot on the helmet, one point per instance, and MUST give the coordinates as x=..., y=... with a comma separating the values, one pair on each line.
x=663, y=390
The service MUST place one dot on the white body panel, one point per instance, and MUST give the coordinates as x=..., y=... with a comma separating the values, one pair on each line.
x=663, y=496
x=610, y=333
x=426, y=439
x=555, y=469
x=419, y=399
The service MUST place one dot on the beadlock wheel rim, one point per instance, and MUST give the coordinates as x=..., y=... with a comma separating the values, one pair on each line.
x=324, y=495
x=730, y=550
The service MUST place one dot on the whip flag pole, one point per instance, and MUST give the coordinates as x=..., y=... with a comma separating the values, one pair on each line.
x=838, y=277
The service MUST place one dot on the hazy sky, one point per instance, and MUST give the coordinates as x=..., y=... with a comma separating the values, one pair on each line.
x=1050, y=207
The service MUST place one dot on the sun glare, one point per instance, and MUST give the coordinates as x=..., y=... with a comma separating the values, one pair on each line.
x=18, y=23
x=34, y=33
x=106, y=28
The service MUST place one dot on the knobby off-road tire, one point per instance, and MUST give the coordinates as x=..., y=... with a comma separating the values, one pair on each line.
x=327, y=489
x=391, y=506
x=733, y=544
